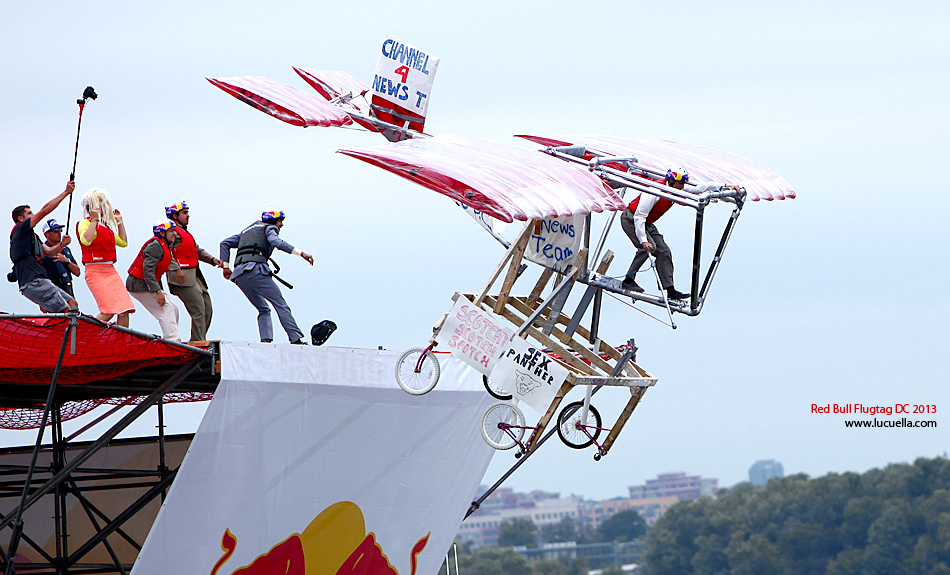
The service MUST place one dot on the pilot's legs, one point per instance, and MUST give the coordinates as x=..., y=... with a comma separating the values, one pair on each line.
x=661, y=251
x=250, y=284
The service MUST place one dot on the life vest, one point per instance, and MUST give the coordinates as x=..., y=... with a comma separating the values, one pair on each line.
x=137, y=269
x=253, y=245
x=102, y=248
x=187, y=251
x=659, y=208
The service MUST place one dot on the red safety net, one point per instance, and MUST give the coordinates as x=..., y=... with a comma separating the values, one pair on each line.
x=25, y=418
x=29, y=350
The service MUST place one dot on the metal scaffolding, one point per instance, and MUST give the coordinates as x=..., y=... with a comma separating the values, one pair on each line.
x=60, y=470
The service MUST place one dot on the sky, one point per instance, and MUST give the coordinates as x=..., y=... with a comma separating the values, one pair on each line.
x=837, y=296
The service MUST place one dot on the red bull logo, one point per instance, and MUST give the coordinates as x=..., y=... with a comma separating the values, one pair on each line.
x=335, y=543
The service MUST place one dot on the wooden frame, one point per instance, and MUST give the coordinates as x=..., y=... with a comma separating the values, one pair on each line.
x=580, y=352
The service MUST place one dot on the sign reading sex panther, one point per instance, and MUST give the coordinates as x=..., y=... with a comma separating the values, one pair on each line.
x=529, y=374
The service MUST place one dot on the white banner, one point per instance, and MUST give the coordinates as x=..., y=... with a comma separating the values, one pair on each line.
x=557, y=242
x=474, y=335
x=404, y=75
x=312, y=461
x=528, y=374
x=491, y=225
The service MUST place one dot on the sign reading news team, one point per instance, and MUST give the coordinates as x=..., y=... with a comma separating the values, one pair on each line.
x=404, y=75
x=556, y=241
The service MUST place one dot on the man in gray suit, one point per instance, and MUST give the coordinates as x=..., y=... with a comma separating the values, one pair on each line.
x=255, y=244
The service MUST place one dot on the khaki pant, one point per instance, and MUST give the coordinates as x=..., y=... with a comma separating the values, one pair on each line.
x=197, y=302
x=661, y=251
x=167, y=315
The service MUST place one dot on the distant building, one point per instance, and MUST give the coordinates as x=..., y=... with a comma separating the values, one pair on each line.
x=649, y=508
x=542, y=508
x=545, y=508
x=762, y=471
x=676, y=484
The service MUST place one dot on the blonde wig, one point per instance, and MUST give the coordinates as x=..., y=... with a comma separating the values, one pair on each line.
x=96, y=198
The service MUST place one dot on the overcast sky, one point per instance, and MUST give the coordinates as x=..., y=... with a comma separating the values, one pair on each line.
x=838, y=296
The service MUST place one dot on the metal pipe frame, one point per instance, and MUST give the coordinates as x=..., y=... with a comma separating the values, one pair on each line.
x=698, y=202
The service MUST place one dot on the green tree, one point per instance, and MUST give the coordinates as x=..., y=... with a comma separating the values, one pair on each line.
x=623, y=526
x=517, y=531
x=550, y=567
x=494, y=561
x=894, y=520
x=753, y=555
x=560, y=532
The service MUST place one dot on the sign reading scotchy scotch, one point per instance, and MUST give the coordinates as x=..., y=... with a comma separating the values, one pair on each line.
x=404, y=75
x=474, y=335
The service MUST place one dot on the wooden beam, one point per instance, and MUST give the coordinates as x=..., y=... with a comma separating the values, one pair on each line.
x=525, y=234
x=546, y=341
x=516, y=256
x=539, y=287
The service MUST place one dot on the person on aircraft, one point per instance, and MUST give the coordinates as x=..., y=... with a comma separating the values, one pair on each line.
x=638, y=222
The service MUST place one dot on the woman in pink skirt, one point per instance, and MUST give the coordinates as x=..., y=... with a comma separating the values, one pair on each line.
x=99, y=234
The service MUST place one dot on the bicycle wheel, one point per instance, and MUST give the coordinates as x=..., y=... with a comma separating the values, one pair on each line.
x=572, y=431
x=502, y=425
x=496, y=393
x=417, y=382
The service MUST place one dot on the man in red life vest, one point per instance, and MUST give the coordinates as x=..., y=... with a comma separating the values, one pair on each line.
x=638, y=223
x=185, y=279
x=145, y=277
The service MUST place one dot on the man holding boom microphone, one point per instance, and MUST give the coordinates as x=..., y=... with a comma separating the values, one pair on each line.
x=27, y=251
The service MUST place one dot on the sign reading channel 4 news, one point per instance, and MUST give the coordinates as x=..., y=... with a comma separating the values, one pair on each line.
x=556, y=241
x=529, y=374
x=404, y=75
x=474, y=335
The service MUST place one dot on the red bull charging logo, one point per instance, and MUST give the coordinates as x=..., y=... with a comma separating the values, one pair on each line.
x=335, y=543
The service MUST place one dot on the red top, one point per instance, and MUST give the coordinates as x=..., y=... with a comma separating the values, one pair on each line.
x=137, y=268
x=102, y=248
x=187, y=251
x=659, y=208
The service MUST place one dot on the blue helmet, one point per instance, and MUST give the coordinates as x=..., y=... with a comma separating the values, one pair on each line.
x=676, y=174
x=162, y=226
x=175, y=208
x=271, y=215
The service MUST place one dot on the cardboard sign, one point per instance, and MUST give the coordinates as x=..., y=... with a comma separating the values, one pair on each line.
x=474, y=335
x=556, y=243
x=404, y=75
x=528, y=374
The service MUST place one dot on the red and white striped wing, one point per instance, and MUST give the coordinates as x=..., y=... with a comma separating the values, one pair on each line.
x=283, y=101
x=704, y=164
x=332, y=84
x=506, y=182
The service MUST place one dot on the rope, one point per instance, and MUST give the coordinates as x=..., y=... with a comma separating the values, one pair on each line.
x=628, y=304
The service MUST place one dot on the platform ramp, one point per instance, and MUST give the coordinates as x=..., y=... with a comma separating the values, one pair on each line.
x=313, y=461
